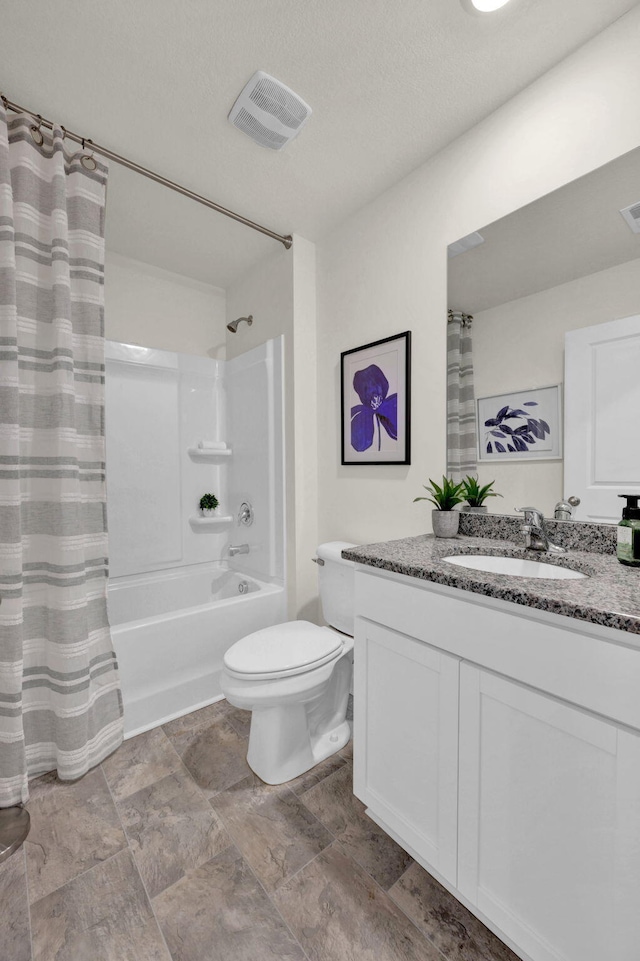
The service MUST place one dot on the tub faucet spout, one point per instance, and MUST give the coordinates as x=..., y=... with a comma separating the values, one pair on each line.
x=238, y=549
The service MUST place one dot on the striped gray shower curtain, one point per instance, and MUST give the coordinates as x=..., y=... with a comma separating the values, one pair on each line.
x=60, y=702
x=462, y=457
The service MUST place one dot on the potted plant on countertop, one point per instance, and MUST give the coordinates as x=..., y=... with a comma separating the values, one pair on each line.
x=475, y=496
x=208, y=504
x=445, y=520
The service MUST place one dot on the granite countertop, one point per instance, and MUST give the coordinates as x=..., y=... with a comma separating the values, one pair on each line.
x=609, y=596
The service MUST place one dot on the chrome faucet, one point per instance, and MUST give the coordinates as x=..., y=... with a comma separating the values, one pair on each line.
x=535, y=536
x=238, y=549
x=245, y=514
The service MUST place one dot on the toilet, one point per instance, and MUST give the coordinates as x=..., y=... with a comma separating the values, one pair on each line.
x=295, y=679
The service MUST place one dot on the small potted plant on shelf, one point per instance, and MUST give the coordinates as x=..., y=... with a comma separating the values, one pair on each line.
x=475, y=496
x=208, y=504
x=446, y=497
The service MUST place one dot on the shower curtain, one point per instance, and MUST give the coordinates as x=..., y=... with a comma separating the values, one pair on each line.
x=60, y=702
x=461, y=402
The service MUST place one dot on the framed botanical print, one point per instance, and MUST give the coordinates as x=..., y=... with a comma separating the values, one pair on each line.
x=375, y=407
x=520, y=425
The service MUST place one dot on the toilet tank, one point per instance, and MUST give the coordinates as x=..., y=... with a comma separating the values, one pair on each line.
x=336, y=577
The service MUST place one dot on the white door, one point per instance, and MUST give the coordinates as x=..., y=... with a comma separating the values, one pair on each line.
x=549, y=837
x=406, y=740
x=602, y=417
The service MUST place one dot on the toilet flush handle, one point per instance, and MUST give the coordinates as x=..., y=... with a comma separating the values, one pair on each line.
x=318, y=560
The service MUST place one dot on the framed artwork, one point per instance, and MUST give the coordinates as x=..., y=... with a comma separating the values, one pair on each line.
x=520, y=425
x=375, y=383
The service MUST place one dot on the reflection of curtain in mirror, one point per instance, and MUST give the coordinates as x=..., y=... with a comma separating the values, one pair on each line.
x=461, y=402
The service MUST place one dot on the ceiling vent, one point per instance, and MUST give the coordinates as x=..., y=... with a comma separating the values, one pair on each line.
x=632, y=216
x=464, y=244
x=268, y=112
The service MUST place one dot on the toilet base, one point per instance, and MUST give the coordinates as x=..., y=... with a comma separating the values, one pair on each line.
x=296, y=721
x=276, y=761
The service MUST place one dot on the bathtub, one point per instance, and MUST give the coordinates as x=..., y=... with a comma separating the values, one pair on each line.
x=170, y=631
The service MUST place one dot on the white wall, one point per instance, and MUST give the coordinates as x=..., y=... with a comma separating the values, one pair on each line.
x=521, y=344
x=266, y=292
x=384, y=270
x=151, y=307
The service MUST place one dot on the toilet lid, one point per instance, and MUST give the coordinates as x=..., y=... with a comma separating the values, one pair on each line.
x=282, y=650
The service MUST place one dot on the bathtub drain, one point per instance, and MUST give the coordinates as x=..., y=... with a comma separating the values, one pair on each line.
x=243, y=587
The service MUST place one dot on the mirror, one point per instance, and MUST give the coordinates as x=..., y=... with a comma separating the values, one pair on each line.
x=569, y=260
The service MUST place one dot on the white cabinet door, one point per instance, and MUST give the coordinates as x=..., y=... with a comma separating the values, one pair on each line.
x=406, y=740
x=549, y=834
x=601, y=414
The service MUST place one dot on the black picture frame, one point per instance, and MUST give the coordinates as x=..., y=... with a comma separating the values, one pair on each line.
x=375, y=402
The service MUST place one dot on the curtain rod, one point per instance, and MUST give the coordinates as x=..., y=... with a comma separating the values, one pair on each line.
x=286, y=240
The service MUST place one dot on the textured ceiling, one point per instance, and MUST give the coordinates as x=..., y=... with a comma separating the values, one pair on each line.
x=390, y=84
x=570, y=233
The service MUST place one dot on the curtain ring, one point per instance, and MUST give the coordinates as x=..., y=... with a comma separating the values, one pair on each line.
x=88, y=161
x=5, y=102
x=36, y=133
x=64, y=132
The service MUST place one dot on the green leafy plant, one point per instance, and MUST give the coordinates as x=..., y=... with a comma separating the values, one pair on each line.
x=208, y=502
x=446, y=497
x=473, y=494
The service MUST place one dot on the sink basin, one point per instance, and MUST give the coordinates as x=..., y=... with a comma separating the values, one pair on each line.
x=515, y=566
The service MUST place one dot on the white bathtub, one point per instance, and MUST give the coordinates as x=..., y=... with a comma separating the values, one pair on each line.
x=170, y=630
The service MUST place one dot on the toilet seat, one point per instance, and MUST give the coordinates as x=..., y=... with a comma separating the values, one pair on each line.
x=282, y=651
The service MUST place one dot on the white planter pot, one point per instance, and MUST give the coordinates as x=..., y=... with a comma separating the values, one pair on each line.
x=445, y=523
x=208, y=511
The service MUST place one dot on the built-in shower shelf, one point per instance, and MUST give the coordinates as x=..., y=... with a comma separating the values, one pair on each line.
x=197, y=521
x=204, y=453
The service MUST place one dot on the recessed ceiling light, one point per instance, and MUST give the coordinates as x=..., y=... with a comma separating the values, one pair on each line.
x=483, y=6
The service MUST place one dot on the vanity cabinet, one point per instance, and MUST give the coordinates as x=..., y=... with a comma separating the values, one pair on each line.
x=485, y=746
x=407, y=770
x=549, y=809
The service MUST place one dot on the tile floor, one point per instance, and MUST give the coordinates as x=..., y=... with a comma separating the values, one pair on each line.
x=173, y=850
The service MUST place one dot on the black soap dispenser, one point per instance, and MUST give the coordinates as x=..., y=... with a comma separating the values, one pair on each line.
x=628, y=549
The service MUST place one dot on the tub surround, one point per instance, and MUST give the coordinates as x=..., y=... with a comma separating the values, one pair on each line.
x=609, y=596
x=178, y=597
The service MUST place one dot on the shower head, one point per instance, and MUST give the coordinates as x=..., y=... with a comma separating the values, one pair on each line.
x=233, y=326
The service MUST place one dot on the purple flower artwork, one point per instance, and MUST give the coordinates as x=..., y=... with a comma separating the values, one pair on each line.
x=375, y=404
x=376, y=409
